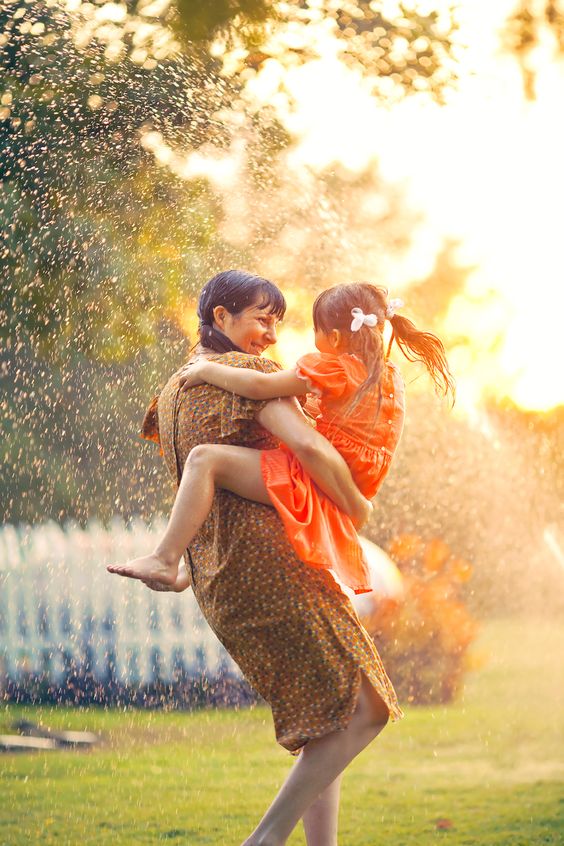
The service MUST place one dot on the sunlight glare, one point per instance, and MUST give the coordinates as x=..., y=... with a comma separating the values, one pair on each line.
x=484, y=170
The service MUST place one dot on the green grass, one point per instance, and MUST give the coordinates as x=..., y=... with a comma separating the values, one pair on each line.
x=492, y=764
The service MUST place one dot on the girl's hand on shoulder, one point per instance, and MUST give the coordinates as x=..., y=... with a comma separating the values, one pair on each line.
x=192, y=374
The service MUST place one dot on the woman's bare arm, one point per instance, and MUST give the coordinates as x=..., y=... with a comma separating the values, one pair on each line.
x=328, y=469
x=245, y=382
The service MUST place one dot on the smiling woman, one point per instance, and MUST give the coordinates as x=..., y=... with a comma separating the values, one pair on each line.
x=238, y=311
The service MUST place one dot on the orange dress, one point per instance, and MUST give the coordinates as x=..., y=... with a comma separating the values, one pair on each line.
x=320, y=533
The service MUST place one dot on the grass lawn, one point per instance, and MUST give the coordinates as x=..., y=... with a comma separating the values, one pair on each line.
x=492, y=765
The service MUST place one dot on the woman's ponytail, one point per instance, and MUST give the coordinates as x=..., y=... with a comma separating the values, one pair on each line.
x=424, y=347
x=214, y=339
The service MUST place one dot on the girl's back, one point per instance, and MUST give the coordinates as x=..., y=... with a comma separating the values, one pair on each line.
x=366, y=435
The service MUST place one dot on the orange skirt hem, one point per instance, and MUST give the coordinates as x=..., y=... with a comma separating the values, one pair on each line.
x=321, y=535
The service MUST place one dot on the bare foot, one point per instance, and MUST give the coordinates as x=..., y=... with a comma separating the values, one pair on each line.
x=182, y=581
x=150, y=568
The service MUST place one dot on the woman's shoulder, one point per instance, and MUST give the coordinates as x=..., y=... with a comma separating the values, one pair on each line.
x=251, y=362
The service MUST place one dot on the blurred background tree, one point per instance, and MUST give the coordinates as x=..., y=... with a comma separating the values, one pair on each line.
x=525, y=31
x=424, y=636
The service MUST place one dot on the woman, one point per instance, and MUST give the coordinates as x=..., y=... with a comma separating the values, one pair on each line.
x=295, y=636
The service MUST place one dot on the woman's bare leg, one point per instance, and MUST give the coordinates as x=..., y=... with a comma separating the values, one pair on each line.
x=321, y=819
x=321, y=762
x=208, y=466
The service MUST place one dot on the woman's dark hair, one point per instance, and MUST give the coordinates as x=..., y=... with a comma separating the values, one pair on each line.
x=235, y=290
x=332, y=310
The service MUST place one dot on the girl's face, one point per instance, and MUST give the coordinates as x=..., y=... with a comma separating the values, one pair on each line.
x=328, y=342
x=253, y=329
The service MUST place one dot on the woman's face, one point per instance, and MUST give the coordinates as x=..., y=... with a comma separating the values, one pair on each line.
x=253, y=329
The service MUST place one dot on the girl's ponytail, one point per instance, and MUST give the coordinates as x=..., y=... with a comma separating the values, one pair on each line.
x=332, y=310
x=424, y=347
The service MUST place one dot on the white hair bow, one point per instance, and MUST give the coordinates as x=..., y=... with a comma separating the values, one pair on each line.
x=393, y=306
x=362, y=319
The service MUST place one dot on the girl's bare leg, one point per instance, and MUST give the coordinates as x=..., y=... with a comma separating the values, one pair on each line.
x=208, y=466
x=182, y=581
x=321, y=819
x=321, y=762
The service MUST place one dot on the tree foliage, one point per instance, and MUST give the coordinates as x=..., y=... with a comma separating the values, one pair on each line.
x=196, y=21
x=89, y=255
x=525, y=30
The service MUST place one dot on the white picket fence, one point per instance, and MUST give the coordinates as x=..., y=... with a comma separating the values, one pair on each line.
x=59, y=606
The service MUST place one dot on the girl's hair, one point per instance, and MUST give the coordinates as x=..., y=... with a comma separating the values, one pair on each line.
x=332, y=310
x=235, y=290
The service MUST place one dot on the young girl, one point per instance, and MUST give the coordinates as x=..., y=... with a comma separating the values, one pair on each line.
x=356, y=396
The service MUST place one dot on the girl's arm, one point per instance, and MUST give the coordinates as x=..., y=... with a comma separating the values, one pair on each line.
x=328, y=469
x=251, y=384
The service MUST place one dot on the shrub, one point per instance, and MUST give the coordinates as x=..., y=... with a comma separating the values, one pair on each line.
x=424, y=636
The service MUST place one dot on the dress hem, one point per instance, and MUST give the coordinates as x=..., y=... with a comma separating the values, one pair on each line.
x=272, y=476
x=341, y=723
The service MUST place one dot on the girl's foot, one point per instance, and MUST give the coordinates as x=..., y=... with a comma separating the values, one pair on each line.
x=150, y=568
x=182, y=582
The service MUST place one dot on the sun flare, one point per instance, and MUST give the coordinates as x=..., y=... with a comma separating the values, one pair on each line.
x=481, y=170
x=484, y=170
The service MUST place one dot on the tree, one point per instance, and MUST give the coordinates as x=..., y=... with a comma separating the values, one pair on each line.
x=79, y=190
x=525, y=30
